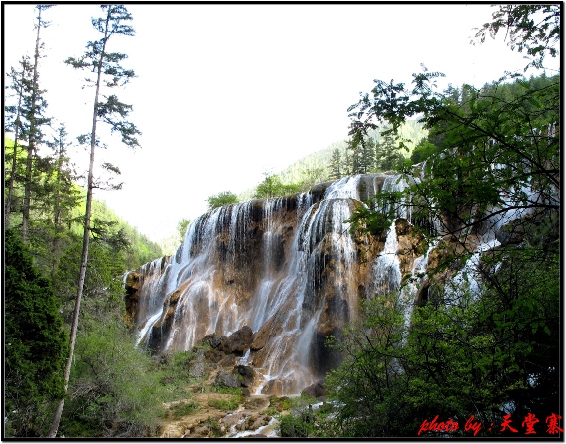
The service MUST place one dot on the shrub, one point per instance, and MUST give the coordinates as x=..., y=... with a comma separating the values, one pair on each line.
x=182, y=408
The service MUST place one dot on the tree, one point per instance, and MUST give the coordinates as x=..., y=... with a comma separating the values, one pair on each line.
x=272, y=187
x=65, y=196
x=387, y=155
x=35, y=106
x=534, y=28
x=484, y=334
x=335, y=167
x=354, y=157
x=108, y=73
x=182, y=228
x=113, y=391
x=16, y=124
x=221, y=199
x=310, y=177
x=35, y=349
x=423, y=151
x=372, y=377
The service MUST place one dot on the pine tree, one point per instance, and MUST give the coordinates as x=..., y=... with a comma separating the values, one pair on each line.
x=335, y=168
x=367, y=157
x=34, y=340
x=35, y=106
x=16, y=124
x=63, y=195
x=108, y=73
x=388, y=156
x=354, y=157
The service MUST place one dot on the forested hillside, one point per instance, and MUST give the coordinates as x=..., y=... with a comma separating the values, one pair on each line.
x=320, y=166
x=138, y=248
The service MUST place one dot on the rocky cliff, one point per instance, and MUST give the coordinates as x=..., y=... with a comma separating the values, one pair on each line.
x=263, y=284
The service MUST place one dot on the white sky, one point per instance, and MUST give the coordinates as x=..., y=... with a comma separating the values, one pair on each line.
x=227, y=92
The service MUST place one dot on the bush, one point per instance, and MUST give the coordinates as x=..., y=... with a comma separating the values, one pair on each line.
x=113, y=391
x=182, y=408
x=294, y=427
x=35, y=344
x=225, y=404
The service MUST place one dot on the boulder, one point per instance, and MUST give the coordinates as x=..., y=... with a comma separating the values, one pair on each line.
x=238, y=342
x=315, y=390
x=227, y=379
x=273, y=387
x=197, y=368
x=260, y=338
x=246, y=374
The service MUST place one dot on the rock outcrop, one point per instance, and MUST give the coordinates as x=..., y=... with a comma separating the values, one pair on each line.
x=270, y=281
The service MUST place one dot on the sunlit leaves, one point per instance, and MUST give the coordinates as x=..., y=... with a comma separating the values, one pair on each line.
x=534, y=29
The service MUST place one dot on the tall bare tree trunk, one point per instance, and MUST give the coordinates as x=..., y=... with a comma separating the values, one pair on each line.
x=10, y=198
x=32, y=136
x=86, y=237
x=57, y=210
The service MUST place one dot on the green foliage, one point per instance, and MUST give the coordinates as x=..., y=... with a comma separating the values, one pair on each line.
x=225, y=404
x=35, y=343
x=183, y=408
x=56, y=222
x=490, y=348
x=388, y=155
x=303, y=421
x=361, y=156
x=370, y=379
x=112, y=392
x=294, y=173
x=182, y=227
x=272, y=187
x=497, y=141
x=107, y=72
x=291, y=426
x=310, y=177
x=221, y=199
x=534, y=29
x=140, y=249
x=334, y=167
x=174, y=370
x=423, y=151
x=226, y=390
x=214, y=427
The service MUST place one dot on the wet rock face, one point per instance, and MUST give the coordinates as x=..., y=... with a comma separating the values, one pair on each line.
x=315, y=390
x=269, y=279
x=238, y=342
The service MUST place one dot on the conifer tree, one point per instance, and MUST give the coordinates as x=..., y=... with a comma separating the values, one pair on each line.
x=15, y=123
x=335, y=166
x=367, y=158
x=354, y=157
x=64, y=195
x=107, y=73
x=35, y=347
x=35, y=106
x=388, y=156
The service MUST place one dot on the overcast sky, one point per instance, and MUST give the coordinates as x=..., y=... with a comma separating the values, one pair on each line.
x=226, y=92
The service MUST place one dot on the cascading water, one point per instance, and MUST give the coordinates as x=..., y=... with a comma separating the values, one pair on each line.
x=287, y=268
x=289, y=263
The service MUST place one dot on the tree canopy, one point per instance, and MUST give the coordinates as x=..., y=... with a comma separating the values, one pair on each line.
x=483, y=344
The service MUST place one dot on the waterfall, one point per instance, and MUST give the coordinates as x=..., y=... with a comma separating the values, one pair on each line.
x=289, y=269
x=386, y=267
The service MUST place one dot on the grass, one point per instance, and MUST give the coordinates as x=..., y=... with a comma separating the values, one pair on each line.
x=225, y=404
x=226, y=390
x=183, y=408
